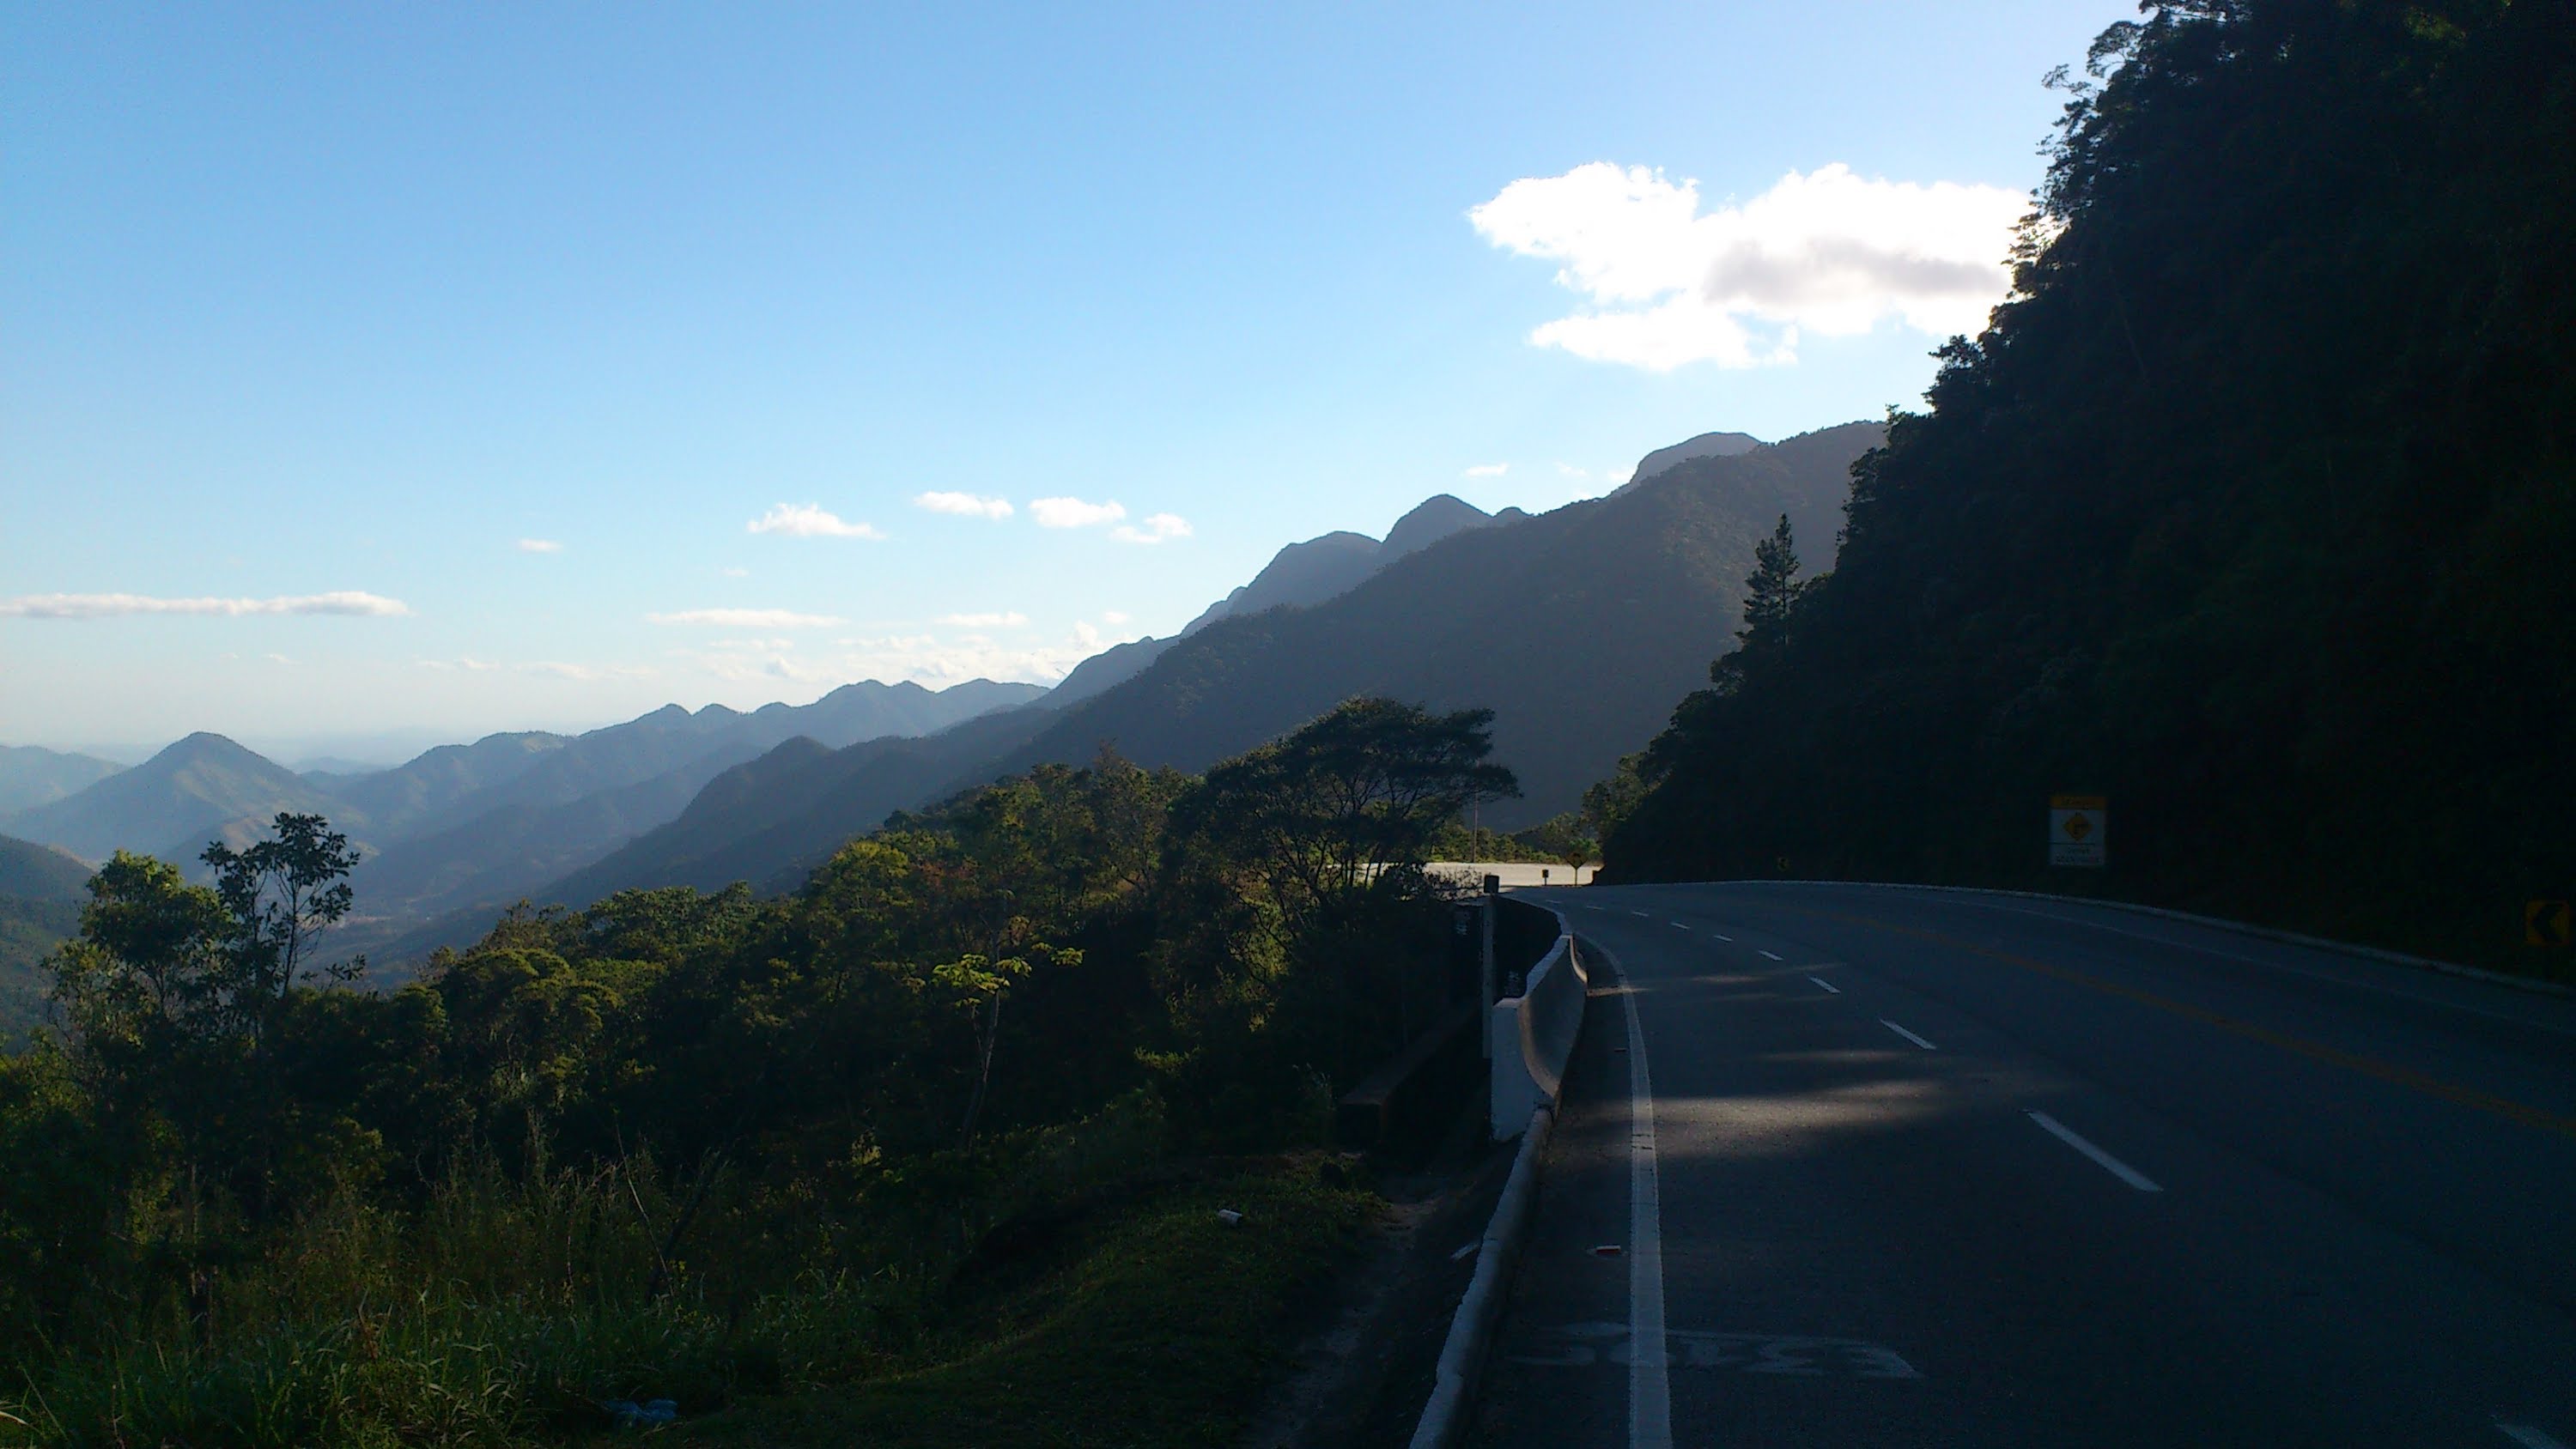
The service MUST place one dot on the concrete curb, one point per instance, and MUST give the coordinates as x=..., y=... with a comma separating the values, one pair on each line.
x=2267, y=933
x=1480, y=1308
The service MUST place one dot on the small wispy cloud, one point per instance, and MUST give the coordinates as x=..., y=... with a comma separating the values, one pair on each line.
x=587, y=673
x=735, y=573
x=539, y=545
x=1011, y=620
x=346, y=603
x=808, y=520
x=970, y=504
x=746, y=619
x=1074, y=512
x=476, y=666
x=1488, y=470
x=1112, y=616
x=1157, y=528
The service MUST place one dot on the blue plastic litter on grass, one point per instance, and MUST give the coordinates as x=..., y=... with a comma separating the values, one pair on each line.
x=632, y=1415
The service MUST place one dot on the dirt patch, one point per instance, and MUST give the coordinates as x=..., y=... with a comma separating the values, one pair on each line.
x=1362, y=1370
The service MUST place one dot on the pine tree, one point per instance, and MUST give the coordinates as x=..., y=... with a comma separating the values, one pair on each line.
x=1770, y=591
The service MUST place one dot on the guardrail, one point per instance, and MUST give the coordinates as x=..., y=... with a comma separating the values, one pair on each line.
x=1533, y=1035
x=1532, y=1038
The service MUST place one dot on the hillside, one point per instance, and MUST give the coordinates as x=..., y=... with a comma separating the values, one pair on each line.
x=39, y=872
x=32, y=776
x=187, y=792
x=41, y=890
x=1580, y=627
x=2253, y=512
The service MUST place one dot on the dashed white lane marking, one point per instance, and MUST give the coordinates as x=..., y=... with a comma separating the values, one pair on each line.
x=1829, y=986
x=1730, y=940
x=1650, y=1396
x=1909, y=1036
x=2101, y=1159
x=2528, y=1437
x=1774, y=955
x=1648, y=914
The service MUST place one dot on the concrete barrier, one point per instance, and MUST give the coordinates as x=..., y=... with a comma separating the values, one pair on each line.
x=1533, y=1036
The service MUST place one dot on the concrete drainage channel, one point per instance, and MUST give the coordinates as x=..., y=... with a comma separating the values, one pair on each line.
x=1531, y=1038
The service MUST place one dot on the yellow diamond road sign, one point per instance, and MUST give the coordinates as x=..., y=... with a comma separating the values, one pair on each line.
x=2545, y=923
x=2078, y=829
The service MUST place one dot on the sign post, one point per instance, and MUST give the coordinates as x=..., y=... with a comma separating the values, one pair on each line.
x=2078, y=829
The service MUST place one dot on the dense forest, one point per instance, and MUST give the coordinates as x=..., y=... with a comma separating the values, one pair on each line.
x=2252, y=510
x=703, y=1146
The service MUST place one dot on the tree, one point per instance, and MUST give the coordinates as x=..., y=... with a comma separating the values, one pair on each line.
x=1353, y=798
x=1771, y=591
x=281, y=894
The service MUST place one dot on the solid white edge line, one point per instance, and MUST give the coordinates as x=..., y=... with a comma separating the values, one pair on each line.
x=1829, y=986
x=2101, y=1159
x=1909, y=1036
x=1774, y=955
x=1650, y=1399
x=2528, y=1437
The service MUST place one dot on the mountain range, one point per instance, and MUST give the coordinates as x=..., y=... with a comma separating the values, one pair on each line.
x=1578, y=627
x=468, y=824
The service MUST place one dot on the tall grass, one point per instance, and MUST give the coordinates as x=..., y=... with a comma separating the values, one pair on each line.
x=503, y=1308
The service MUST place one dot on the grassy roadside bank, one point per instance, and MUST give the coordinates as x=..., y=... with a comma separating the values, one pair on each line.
x=1158, y=1325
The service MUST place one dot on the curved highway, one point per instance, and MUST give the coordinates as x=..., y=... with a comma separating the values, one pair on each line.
x=1854, y=1166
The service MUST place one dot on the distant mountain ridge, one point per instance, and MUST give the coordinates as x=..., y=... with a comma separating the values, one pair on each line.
x=31, y=776
x=1580, y=627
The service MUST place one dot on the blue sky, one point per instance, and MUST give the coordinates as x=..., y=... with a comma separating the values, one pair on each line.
x=319, y=323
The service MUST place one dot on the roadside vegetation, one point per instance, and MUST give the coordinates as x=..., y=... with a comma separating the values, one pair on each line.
x=2252, y=512
x=890, y=1159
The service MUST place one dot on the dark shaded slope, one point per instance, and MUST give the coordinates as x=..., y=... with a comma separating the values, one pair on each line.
x=40, y=872
x=769, y=820
x=1579, y=628
x=2253, y=512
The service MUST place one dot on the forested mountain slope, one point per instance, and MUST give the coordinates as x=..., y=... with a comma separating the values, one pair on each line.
x=2254, y=511
x=1578, y=627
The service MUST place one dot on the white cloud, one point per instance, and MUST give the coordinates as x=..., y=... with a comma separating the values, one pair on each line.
x=1489, y=470
x=808, y=520
x=1829, y=252
x=746, y=619
x=103, y=606
x=477, y=666
x=539, y=545
x=1157, y=528
x=587, y=673
x=1074, y=513
x=1011, y=620
x=735, y=573
x=1112, y=616
x=972, y=505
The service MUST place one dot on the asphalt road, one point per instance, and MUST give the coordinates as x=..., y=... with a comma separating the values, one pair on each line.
x=1937, y=1169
